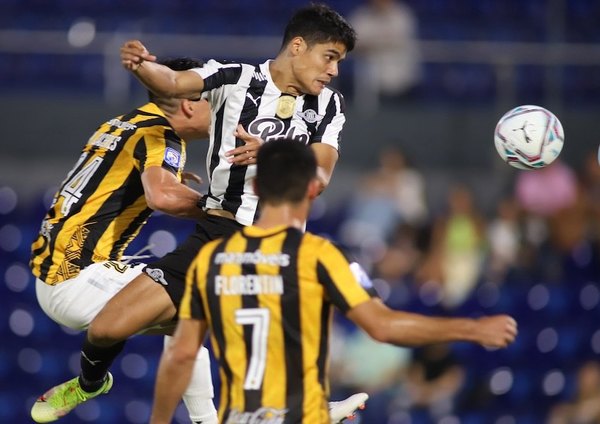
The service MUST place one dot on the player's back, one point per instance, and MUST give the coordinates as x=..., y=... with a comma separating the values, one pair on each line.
x=267, y=297
x=100, y=206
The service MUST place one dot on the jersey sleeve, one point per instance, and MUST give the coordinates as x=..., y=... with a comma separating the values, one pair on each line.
x=329, y=130
x=160, y=146
x=346, y=283
x=219, y=79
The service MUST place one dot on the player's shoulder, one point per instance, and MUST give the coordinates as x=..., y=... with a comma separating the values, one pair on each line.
x=320, y=244
x=328, y=96
x=151, y=121
x=329, y=92
x=332, y=90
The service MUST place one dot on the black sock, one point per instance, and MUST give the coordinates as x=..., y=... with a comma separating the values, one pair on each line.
x=95, y=362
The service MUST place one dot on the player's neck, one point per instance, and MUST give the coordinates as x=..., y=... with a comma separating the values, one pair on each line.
x=288, y=215
x=282, y=76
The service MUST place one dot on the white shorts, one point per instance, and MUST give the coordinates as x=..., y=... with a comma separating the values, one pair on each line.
x=75, y=303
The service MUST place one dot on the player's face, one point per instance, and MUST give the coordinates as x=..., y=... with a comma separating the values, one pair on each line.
x=316, y=66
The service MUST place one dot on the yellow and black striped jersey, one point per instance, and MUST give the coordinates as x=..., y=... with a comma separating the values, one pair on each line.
x=100, y=207
x=267, y=296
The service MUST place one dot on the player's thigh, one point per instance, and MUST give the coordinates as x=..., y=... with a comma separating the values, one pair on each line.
x=140, y=305
x=76, y=302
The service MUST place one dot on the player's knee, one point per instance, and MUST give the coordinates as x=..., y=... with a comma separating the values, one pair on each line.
x=103, y=332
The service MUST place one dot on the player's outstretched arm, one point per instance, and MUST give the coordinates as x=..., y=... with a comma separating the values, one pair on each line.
x=408, y=329
x=175, y=369
x=165, y=193
x=158, y=78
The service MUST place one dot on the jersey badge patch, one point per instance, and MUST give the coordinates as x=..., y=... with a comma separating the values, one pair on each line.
x=157, y=275
x=310, y=116
x=172, y=157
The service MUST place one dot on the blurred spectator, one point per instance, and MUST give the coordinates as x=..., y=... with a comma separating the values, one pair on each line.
x=585, y=407
x=379, y=376
x=455, y=257
x=392, y=194
x=591, y=185
x=549, y=198
x=504, y=240
x=546, y=191
x=434, y=380
x=387, y=51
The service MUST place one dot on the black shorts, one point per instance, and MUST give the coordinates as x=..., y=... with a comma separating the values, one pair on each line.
x=171, y=269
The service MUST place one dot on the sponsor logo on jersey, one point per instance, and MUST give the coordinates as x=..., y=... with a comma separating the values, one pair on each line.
x=310, y=116
x=271, y=129
x=127, y=126
x=157, y=275
x=257, y=257
x=263, y=415
x=172, y=157
x=253, y=99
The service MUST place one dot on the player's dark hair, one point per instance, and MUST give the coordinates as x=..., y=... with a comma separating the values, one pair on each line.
x=176, y=64
x=319, y=24
x=284, y=169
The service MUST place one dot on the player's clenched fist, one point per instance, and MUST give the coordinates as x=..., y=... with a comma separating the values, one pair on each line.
x=133, y=54
x=496, y=331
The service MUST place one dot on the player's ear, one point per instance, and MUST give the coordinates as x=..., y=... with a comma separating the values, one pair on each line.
x=314, y=188
x=298, y=45
x=187, y=107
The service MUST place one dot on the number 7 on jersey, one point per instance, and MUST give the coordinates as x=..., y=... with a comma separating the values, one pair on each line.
x=259, y=319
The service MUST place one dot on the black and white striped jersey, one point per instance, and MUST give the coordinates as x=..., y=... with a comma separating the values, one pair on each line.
x=245, y=94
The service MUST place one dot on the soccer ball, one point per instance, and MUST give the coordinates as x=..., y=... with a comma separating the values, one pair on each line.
x=529, y=137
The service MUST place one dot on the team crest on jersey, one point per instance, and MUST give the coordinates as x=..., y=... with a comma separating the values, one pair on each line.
x=270, y=129
x=157, y=275
x=310, y=116
x=172, y=157
x=361, y=275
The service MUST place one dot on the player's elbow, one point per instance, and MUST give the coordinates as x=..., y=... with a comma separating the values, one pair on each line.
x=323, y=178
x=159, y=201
x=374, y=318
x=378, y=328
x=380, y=332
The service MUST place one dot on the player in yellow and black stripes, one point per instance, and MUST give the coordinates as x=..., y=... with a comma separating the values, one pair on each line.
x=101, y=205
x=267, y=294
x=133, y=164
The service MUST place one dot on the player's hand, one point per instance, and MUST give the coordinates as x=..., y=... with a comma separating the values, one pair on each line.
x=246, y=154
x=133, y=54
x=497, y=331
x=189, y=177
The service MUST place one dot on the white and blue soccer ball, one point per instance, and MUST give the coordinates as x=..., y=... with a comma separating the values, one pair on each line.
x=529, y=137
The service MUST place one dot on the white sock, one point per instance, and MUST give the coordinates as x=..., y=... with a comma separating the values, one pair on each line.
x=198, y=397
